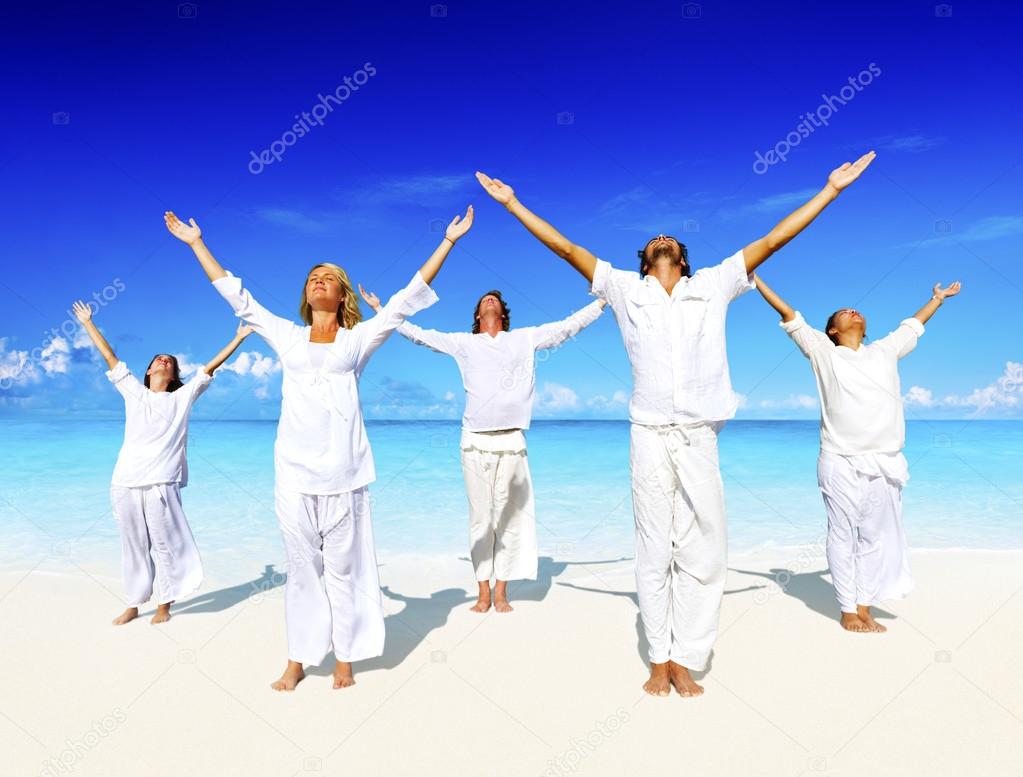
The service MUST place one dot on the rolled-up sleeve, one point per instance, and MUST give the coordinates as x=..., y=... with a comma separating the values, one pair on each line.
x=731, y=277
x=806, y=338
x=127, y=385
x=610, y=284
x=904, y=339
x=416, y=296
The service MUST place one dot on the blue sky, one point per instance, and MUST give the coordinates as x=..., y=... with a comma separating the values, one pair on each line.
x=613, y=122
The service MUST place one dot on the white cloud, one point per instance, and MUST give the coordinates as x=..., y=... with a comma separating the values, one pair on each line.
x=554, y=397
x=791, y=402
x=292, y=218
x=1004, y=393
x=913, y=144
x=55, y=357
x=253, y=363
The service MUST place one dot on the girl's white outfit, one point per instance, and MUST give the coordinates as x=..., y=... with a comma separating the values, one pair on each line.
x=499, y=376
x=145, y=489
x=861, y=470
x=323, y=465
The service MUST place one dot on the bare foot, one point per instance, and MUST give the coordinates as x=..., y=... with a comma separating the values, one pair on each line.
x=683, y=681
x=162, y=613
x=868, y=619
x=483, y=601
x=292, y=676
x=659, y=683
x=125, y=617
x=851, y=622
x=343, y=675
x=501, y=597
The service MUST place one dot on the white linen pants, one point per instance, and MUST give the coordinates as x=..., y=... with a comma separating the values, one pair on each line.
x=332, y=593
x=154, y=529
x=681, y=539
x=502, y=516
x=866, y=548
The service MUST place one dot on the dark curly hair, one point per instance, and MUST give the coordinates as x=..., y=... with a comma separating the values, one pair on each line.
x=505, y=312
x=644, y=263
x=831, y=323
x=175, y=381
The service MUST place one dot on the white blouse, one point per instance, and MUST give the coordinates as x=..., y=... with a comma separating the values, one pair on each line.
x=499, y=372
x=155, y=430
x=860, y=395
x=676, y=342
x=321, y=445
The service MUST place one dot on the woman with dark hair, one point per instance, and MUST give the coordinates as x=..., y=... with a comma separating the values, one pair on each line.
x=861, y=470
x=322, y=459
x=150, y=472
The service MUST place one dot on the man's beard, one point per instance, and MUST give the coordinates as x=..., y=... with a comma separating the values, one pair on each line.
x=666, y=252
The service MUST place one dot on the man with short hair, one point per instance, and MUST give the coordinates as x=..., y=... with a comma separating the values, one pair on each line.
x=499, y=374
x=673, y=325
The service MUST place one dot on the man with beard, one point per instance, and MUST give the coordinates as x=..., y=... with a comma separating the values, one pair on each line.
x=673, y=325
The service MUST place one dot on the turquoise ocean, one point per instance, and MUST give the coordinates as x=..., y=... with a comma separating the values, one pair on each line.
x=966, y=488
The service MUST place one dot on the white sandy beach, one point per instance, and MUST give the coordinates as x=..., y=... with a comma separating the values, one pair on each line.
x=551, y=689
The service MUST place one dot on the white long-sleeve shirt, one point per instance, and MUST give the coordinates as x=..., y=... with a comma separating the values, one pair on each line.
x=499, y=372
x=860, y=395
x=676, y=342
x=321, y=445
x=155, y=430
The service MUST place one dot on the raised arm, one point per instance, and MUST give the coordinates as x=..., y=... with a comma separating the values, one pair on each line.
x=441, y=342
x=577, y=256
x=757, y=252
x=456, y=229
x=83, y=313
x=555, y=333
x=784, y=309
x=244, y=330
x=938, y=296
x=191, y=235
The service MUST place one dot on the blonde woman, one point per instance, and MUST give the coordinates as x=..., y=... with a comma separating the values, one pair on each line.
x=157, y=546
x=322, y=459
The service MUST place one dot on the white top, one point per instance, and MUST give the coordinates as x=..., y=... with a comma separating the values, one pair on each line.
x=321, y=443
x=155, y=430
x=676, y=342
x=499, y=372
x=861, y=400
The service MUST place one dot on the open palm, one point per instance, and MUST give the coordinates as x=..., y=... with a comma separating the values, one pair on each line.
x=82, y=311
x=186, y=233
x=496, y=188
x=371, y=299
x=849, y=172
x=459, y=225
x=951, y=291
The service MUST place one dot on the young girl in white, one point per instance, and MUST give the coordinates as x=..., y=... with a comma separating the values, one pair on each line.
x=322, y=459
x=861, y=469
x=151, y=470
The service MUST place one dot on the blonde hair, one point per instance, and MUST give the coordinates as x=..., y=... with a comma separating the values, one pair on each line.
x=348, y=312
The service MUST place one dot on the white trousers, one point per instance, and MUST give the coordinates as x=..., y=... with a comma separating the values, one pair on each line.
x=154, y=529
x=502, y=516
x=681, y=540
x=867, y=551
x=332, y=594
